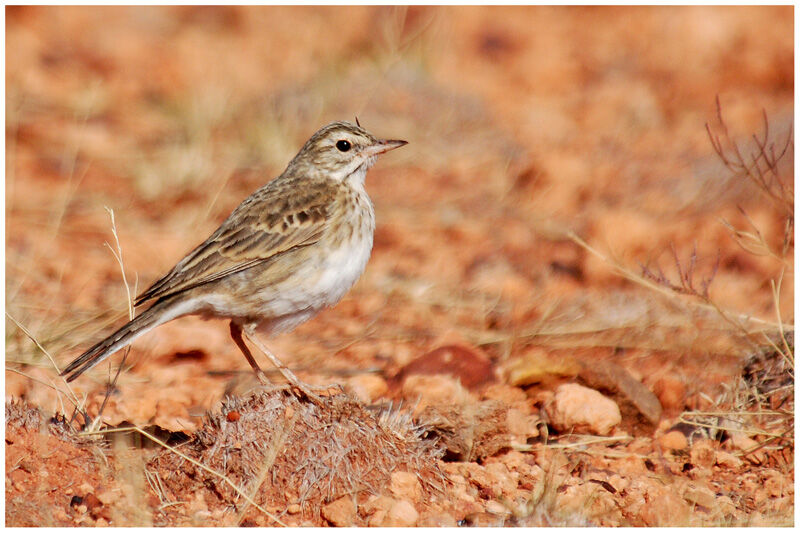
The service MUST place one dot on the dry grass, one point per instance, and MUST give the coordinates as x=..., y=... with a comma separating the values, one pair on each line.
x=352, y=452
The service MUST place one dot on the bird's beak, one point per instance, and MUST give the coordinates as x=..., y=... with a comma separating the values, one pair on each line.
x=383, y=146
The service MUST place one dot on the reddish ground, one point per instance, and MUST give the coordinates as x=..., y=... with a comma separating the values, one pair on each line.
x=531, y=130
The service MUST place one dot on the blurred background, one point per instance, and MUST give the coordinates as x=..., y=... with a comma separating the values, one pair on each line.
x=524, y=124
x=594, y=196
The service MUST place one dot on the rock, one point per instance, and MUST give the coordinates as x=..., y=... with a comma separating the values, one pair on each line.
x=699, y=496
x=703, y=453
x=405, y=485
x=776, y=485
x=724, y=506
x=108, y=496
x=464, y=363
x=468, y=431
x=582, y=501
x=744, y=443
x=341, y=512
x=521, y=425
x=575, y=406
x=294, y=509
x=388, y=512
x=617, y=380
x=402, y=514
x=495, y=507
x=670, y=391
x=507, y=394
x=538, y=365
x=438, y=520
x=92, y=503
x=504, y=479
x=377, y=507
x=17, y=478
x=367, y=387
x=671, y=509
x=434, y=391
x=727, y=459
x=674, y=440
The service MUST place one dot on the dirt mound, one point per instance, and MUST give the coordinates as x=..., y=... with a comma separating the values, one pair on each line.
x=295, y=454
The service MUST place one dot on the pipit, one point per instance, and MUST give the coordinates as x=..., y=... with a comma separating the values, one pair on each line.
x=292, y=248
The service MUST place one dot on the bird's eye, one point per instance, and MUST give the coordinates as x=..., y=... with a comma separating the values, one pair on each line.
x=343, y=145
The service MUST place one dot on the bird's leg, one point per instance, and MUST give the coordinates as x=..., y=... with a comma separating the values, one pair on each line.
x=305, y=388
x=236, y=335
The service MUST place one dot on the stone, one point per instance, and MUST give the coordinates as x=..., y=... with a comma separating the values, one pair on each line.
x=727, y=459
x=434, y=391
x=438, y=520
x=670, y=391
x=377, y=508
x=495, y=507
x=405, y=485
x=699, y=496
x=367, y=387
x=464, y=363
x=402, y=514
x=671, y=509
x=341, y=512
x=674, y=440
x=703, y=453
x=575, y=407
x=108, y=496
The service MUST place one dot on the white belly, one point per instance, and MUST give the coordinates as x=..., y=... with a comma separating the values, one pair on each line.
x=341, y=270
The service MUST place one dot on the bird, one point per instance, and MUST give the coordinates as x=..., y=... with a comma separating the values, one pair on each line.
x=292, y=248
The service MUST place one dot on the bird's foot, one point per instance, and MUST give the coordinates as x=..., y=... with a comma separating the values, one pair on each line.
x=302, y=389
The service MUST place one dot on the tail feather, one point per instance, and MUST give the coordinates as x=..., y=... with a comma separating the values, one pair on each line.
x=140, y=325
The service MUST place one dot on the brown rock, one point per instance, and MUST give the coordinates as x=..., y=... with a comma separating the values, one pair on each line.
x=674, y=440
x=576, y=407
x=405, y=485
x=108, y=496
x=703, y=453
x=377, y=508
x=502, y=478
x=438, y=520
x=293, y=508
x=775, y=484
x=468, y=431
x=341, y=512
x=744, y=443
x=538, y=365
x=367, y=387
x=670, y=391
x=497, y=508
x=671, y=510
x=727, y=459
x=402, y=514
x=520, y=424
x=699, y=496
x=618, y=381
x=434, y=391
x=724, y=506
x=467, y=364
x=506, y=394
x=92, y=503
x=18, y=478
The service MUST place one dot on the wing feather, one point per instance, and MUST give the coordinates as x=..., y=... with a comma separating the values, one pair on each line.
x=275, y=219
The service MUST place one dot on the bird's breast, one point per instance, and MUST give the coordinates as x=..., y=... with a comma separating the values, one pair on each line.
x=346, y=248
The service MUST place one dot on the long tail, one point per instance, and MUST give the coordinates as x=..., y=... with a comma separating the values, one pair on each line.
x=154, y=316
